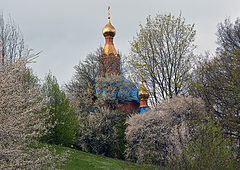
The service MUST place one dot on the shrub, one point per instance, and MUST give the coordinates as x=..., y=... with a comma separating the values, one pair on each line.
x=156, y=136
x=101, y=131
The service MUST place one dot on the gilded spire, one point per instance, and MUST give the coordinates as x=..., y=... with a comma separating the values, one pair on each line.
x=143, y=96
x=109, y=12
x=109, y=32
x=143, y=93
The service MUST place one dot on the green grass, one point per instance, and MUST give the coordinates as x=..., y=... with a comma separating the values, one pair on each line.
x=86, y=161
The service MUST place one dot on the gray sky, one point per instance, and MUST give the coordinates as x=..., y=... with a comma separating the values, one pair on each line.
x=67, y=30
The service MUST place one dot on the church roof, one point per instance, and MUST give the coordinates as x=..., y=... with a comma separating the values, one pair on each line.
x=129, y=91
x=122, y=90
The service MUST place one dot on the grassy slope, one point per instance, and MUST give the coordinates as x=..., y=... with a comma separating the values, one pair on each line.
x=81, y=160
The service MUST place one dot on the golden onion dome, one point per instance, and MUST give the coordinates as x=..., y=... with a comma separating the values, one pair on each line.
x=143, y=93
x=109, y=30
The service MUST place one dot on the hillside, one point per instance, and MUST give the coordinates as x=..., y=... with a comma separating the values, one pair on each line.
x=81, y=160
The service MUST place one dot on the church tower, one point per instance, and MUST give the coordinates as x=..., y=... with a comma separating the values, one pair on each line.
x=126, y=92
x=109, y=61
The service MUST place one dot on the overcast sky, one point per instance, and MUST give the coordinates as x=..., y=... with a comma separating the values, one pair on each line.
x=67, y=30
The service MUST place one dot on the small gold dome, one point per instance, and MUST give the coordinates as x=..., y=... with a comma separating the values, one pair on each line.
x=109, y=30
x=143, y=93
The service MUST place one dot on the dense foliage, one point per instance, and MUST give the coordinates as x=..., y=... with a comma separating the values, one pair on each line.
x=62, y=114
x=101, y=131
x=23, y=111
x=22, y=118
x=217, y=81
x=208, y=149
x=157, y=136
x=101, y=125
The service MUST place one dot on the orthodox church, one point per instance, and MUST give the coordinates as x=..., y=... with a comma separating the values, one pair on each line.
x=130, y=99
